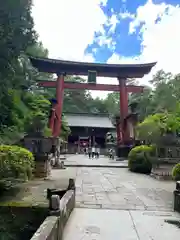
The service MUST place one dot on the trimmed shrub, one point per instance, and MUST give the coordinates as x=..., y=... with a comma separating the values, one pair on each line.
x=15, y=162
x=139, y=159
x=176, y=172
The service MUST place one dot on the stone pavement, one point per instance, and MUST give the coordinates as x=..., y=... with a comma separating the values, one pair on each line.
x=120, y=189
x=99, y=224
x=34, y=192
x=113, y=203
x=81, y=160
x=38, y=188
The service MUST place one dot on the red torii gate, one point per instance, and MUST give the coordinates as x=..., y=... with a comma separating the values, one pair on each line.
x=120, y=71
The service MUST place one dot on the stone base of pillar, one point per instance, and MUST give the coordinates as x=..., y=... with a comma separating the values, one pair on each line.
x=123, y=151
x=42, y=167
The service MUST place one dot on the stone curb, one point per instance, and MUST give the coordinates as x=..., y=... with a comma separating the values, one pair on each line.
x=165, y=177
x=53, y=226
x=94, y=165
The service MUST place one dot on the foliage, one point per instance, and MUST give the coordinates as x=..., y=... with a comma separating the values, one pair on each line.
x=81, y=101
x=47, y=132
x=10, y=135
x=163, y=97
x=139, y=159
x=112, y=103
x=16, y=162
x=20, y=222
x=154, y=127
x=19, y=96
x=65, y=129
x=16, y=30
x=176, y=172
x=39, y=109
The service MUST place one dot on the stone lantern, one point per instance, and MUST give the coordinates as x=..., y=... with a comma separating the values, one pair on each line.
x=40, y=146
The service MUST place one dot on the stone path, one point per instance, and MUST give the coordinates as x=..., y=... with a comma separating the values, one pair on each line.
x=98, y=224
x=34, y=192
x=113, y=203
x=84, y=161
x=121, y=189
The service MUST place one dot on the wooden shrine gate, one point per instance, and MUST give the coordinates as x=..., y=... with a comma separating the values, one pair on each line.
x=119, y=71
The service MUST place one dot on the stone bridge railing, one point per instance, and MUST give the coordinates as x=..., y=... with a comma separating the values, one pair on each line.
x=53, y=226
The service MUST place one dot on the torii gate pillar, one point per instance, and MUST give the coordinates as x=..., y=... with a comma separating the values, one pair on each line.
x=59, y=105
x=123, y=130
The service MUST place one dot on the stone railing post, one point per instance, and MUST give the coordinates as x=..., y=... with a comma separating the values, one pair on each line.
x=54, y=203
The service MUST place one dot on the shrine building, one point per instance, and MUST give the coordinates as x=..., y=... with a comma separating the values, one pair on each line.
x=88, y=129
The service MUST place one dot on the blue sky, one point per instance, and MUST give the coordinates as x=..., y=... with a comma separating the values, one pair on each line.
x=112, y=31
x=127, y=45
x=121, y=34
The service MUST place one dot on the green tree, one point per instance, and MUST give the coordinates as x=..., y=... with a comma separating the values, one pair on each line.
x=16, y=31
x=157, y=126
x=112, y=103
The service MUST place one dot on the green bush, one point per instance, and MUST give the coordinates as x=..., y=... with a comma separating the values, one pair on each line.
x=139, y=159
x=176, y=172
x=15, y=162
x=47, y=132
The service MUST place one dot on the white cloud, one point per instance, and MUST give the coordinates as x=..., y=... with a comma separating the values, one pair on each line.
x=126, y=14
x=113, y=23
x=159, y=30
x=161, y=41
x=147, y=15
x=115, y=58
x=66, y=27
x=105, y=38
x=104, y=2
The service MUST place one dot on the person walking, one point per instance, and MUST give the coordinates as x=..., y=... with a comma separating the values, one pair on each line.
x=113, y=153
x=97, y=152
x=110, y=153
x=89, y=152
x=85, y=151
x=93, y=152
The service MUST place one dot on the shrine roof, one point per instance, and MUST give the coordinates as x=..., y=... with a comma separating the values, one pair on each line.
x=81, y=68
x=89, y=120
